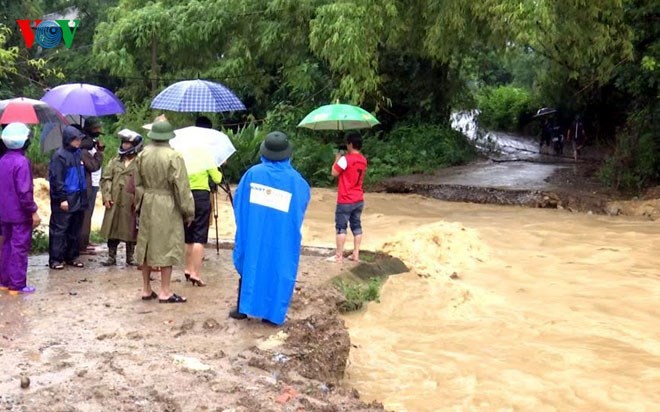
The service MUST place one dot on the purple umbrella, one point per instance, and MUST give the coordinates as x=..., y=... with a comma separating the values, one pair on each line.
x=83, y=99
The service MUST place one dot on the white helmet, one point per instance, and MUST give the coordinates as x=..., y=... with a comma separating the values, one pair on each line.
x=14, y=136
x=135, y=138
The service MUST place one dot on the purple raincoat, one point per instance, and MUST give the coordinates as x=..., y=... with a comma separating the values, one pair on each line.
x=16, y=208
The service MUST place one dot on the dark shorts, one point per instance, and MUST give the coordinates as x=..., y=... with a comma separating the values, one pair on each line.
x=349, y=213
x=198, y=231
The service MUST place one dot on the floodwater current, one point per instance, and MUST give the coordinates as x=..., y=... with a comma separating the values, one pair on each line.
x=507, y=308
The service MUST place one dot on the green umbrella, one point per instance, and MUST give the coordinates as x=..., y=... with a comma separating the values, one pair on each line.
x=338, y=117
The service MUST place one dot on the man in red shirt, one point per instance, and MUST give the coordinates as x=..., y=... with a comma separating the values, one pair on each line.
x=349, y=169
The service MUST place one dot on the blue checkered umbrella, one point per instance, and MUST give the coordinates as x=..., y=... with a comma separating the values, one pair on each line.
x=197, y=96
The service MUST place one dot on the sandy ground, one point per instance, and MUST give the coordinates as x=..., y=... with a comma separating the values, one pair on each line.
x=88, y=343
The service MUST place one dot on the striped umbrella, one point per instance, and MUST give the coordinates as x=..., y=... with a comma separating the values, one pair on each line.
x=197, y=96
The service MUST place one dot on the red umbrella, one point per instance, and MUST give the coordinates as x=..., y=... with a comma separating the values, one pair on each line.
x=29, y=111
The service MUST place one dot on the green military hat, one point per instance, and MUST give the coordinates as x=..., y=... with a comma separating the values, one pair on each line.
x=161, y=130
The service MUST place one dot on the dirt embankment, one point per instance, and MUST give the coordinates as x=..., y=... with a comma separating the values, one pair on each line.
x=88, y=343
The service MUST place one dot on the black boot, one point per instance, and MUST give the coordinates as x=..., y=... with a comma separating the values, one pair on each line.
x=112, y=253
x=235, y=314
x=130, y=254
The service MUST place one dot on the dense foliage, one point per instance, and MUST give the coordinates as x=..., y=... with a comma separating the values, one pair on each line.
x=410, y=63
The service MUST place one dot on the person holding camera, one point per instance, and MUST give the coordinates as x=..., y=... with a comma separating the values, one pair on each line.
x=349, y=168
x=92, y=157
x=196, y=234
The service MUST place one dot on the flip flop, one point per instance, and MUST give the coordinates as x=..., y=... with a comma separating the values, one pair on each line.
x=56, y=266
x=153, y=295
x=173, y=299
x=76, y=264
x=25, y=290
x=333, y=258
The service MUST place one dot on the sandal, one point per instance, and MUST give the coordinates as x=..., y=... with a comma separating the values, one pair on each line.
x=25, y=290
x=197, y=282
x=173, y=299
x=76, y=264
x=153, y=295
x=56, y=266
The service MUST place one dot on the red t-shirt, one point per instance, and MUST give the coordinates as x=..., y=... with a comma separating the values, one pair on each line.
x=351, y=168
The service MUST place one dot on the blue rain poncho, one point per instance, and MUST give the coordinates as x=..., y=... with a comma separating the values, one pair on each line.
x=269, y=207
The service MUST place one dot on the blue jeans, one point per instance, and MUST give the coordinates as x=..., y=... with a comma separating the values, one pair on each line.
x=349, y=213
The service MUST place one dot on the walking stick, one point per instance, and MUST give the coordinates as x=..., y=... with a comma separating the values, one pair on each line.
x=215, y=216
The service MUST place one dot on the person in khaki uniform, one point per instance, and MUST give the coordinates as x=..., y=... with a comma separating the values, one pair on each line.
x=165, y=202
x=117, y=188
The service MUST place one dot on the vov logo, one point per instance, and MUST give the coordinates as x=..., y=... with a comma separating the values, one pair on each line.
x=48, y=33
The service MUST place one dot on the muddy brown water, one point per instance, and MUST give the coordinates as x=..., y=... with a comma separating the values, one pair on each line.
x=510, y=308
x=506, y=308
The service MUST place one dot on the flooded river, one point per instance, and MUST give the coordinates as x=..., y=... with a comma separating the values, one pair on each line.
x=506, y=308
x=509, y=309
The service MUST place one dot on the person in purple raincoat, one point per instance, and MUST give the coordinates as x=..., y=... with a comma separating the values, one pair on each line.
x=18, y=211
x=3, y=150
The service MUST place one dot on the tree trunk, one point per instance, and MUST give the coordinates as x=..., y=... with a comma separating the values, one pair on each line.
x=154, y=64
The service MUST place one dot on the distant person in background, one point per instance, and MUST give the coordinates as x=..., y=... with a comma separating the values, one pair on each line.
x=118, y=192
x=164, y=203
x=269, y=207
x=350, y=169
x=18, y=211
x=92, y=157
x=547, y=126
x=68, y=201
x=197, y=234
x=577, y=136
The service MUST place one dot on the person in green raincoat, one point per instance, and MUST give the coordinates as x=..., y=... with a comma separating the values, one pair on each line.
x=165, y=202
x=118, y=190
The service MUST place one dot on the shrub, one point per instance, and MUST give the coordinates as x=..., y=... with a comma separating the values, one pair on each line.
x=246, y=141
x=356, y=294
x=504, y=107
x=39, y=242
x=415, y=148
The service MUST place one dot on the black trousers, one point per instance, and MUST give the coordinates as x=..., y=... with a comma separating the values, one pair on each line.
x=64, y=236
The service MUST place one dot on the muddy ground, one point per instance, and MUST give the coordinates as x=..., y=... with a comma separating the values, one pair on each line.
x=107, y=350
x=541, y=181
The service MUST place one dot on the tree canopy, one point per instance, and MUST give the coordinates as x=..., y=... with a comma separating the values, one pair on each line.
x=413, y=60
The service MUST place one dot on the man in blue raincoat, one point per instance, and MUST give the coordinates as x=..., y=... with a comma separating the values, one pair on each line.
x=269, y=207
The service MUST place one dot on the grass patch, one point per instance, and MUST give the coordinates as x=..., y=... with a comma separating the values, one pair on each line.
x=95, y=237
x=39, y=242
x=358, y=293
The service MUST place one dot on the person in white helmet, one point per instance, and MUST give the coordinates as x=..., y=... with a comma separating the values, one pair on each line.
x=18, y=211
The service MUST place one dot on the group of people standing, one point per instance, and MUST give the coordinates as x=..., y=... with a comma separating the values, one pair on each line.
x=552, y=136
x=162, y=214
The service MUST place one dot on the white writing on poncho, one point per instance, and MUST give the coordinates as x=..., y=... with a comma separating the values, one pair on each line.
x=270, y=197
